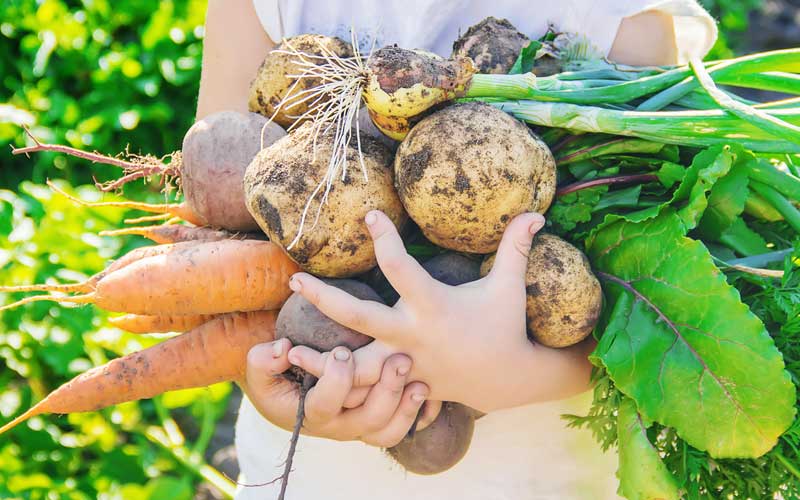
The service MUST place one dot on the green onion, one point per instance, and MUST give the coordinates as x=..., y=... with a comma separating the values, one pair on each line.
x=779, y=203
x=759, y=118
x=763, y=171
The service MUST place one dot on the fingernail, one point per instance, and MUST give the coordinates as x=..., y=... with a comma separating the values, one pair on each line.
x=371, y=218
x=293, y=359
x=402, y=371
x=277, y=349
x=294, y=284
x=418, y=398
x=341, y=354
x=536, y=224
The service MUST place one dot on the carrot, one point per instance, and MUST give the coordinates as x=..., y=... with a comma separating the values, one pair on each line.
x=211, y=353
x=138, y=323
x=180, y=210
x=204, y=278
x=90, y=284
x=173, y=233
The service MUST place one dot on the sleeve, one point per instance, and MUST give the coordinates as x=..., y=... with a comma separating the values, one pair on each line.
x=269, y=14
x=695, y=30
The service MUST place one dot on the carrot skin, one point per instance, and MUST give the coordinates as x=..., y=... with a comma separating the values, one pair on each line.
x=203, y=278
x=140, y=323
x=213, y=352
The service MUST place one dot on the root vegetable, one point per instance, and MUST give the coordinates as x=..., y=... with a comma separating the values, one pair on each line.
x=90, y=284
x=175, y=233
x=284, y=186
x=302, y=323
x=211, y=353
x=404, y=83
x=439, y=446
x=464, y=172
x=453, y=269
x=277, y=92
x=201, y=278
x=493, y=44
x=137, y=323
x=564, y=298
x=216, y=152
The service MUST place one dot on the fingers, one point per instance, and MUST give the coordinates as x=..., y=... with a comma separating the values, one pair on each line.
x=512, y=255
x=429, y=413
x=265, y=361
x=404, y=273
x=383, y=398
x=365, y=316
x=325, y=400
x=369, y=362
x=402, y=420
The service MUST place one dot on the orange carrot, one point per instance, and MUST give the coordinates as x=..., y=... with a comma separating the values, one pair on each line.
x=90, y=284
x=138, y=323
x=180, y=210
x=204, y=278
x=211, y=353
x=173, y=233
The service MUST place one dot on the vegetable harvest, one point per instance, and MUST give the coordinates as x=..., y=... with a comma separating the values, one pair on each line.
x=672, y=206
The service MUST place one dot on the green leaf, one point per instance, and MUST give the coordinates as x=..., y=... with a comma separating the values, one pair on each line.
x=574, y=208
x=621, y=198
x=743, y=240
x=168, y=487
x=725, y=204
x=642, y=475
x=680, y=342
x=526, y=59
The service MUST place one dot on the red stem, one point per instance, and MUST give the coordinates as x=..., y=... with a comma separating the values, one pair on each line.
x=607, y=181
x=58, y=148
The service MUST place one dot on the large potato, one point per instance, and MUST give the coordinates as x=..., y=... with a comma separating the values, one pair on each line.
x=464, y=172
x=280, y=181
x=216, y=153
x=273, y=81
x=564, y=298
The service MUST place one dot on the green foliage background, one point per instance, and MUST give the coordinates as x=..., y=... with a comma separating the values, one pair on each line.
x=105, y=75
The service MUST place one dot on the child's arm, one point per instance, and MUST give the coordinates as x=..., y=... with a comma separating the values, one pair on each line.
x=468, y=343
x=234, y=47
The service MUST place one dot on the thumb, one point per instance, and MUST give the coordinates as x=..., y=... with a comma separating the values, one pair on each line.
x=511, y=261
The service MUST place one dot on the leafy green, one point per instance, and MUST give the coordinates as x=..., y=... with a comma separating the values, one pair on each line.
x=526, y=59
x=683, y=346
x=642, y=474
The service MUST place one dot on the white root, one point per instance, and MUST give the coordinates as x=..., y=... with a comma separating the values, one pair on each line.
x=333, y=108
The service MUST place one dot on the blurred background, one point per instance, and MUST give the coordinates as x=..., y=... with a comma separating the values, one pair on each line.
x=109, y=75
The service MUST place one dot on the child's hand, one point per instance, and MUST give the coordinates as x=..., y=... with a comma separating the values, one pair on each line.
x=380, y=415
x=468, y=343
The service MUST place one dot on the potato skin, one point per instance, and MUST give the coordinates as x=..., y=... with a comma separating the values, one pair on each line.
x=280, y=181
x=493, y=44
x=271, y=83
x=439, y=446
x=216, y=152
x=564, y=298
x=464, y=172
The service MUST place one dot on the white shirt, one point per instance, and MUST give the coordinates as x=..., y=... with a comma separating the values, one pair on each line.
x=524, y=453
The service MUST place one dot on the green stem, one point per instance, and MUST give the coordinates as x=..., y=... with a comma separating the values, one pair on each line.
x=763, y=171
x=687, y=128
x=190, y=461
x=786, y=463
x=779, y=60
x=772, y=81
x=759, y=118
x=763, y=259
x=758, y=207
x=206, y=428
x=781, y=204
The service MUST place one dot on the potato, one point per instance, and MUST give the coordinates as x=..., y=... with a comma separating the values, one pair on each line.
x=493, y=44
x=216, y=152
x=564, y=298
x=439, y=446
x=464, y=172
x=453, y=269
x=272, y=83
x=280, y=181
